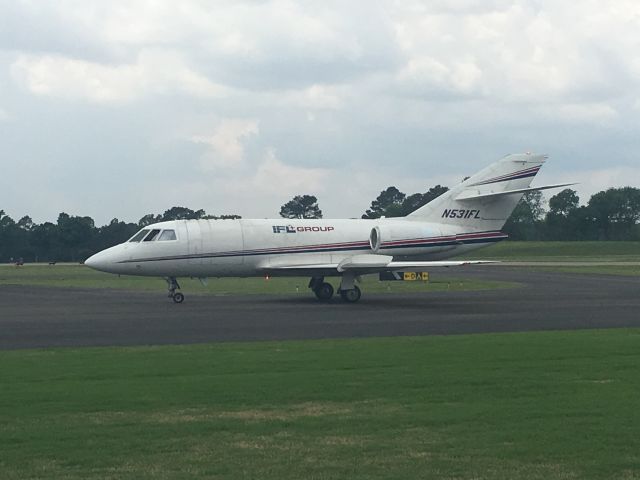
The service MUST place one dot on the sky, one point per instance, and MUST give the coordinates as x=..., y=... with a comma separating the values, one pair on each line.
x=122, y=108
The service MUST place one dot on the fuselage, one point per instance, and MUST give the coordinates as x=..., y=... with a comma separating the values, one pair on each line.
x=241, y=248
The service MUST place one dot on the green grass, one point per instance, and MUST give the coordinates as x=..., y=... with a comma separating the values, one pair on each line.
x=83, y=277
x=507, y=406
x=560, y=251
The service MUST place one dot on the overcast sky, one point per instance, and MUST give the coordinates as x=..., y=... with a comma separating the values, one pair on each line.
x=122, y=108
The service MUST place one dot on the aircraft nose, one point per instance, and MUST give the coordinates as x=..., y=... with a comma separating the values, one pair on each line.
x=95, y=261
x=102, y=261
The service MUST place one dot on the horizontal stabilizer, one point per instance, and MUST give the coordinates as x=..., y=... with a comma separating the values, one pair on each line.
x=473, y=194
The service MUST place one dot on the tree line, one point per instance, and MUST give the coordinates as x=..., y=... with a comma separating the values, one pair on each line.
x=612, y=214
x=74, y=238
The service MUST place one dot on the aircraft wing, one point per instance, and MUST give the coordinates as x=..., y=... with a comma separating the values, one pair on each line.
x=371, y=263
x=367, y=263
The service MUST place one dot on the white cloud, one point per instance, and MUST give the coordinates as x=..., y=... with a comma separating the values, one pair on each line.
x=430, y=77
x=576, y=113
x=255, y=190
x=592, y=181
x=322, y=97
x=155, y=72
x=275, y=177
x=278, y=43
x=379, y=92
x=226, y=143
x=518, y=51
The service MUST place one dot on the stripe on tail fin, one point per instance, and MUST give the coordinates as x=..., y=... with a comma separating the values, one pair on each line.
x=481, y=202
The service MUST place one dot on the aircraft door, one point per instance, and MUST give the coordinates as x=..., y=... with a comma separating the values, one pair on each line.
x=194, y=234
x=222, y=240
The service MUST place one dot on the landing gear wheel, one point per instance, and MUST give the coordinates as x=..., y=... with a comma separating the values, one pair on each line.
x=178, y=297
x=324, y=292
x=173, y=285
x=352, y=295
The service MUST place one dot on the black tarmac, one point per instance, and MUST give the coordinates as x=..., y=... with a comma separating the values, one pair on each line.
x=55, y=317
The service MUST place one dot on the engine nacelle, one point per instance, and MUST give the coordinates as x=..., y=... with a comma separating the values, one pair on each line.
x=408, y=238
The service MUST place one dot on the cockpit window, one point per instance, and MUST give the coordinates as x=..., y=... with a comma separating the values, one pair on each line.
x=167, y=235
x=152, y=236
x=139, y=236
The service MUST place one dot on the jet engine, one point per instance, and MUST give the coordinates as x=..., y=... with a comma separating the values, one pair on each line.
x=408, y=238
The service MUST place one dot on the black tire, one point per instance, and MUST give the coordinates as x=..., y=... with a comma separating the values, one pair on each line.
x=178, y=297
x=324, y=292
x=352, y=295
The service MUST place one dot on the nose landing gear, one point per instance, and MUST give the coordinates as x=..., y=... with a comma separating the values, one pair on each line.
x=172, y=284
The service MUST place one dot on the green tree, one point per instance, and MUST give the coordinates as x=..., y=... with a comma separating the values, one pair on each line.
x=7, y=243
x=5, y=220
x=564, y=218
x=26, y=223
x=76, y=235
x=301, y=206
x=563, y=203
x=525, y=222
x=46, y=243
x=417, y=200
x=148, y=219
x=388, y=204
x=114, y=233
x=615, y=213
x=182, y=213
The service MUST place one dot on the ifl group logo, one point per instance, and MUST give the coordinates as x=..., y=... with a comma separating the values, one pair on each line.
x=292, y=229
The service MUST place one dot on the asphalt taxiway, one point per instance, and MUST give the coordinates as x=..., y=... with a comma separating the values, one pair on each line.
x=56, y=317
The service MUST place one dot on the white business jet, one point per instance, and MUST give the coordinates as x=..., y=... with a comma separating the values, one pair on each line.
x=467, y=217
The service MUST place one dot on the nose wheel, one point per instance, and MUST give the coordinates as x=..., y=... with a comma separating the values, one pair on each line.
x=178, y=297
x=172, y=284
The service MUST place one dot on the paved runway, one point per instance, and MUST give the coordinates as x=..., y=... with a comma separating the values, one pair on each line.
x=46, y=317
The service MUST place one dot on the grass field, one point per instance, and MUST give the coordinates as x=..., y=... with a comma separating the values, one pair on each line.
x=507, y=406
x=502, y=406
x=561, y=251
x=83, y=277
x=569, y=252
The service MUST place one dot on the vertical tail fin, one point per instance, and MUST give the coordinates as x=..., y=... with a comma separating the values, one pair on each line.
x=481, y=202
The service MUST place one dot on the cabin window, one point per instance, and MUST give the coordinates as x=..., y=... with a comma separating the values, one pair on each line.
x=153, y=234
x=167, y=235
x=139, y=236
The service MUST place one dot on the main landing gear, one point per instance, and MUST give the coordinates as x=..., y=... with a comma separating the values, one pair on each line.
x=173, y=285
x=323, y=290
x=349, y=292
